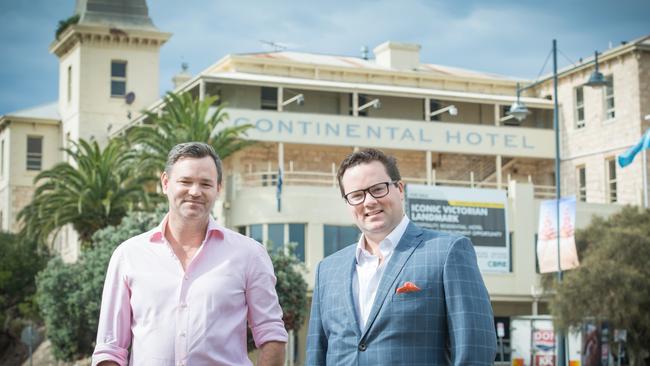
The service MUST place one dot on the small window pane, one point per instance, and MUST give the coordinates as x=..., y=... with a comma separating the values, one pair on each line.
x=434, y=106
x=118, y=88
x=34, y=153
x=582, y=184
x=256, y=232
x=276, y=237
x=297, y=236
x=338, y=237
x=118, y=69
x=269, y=100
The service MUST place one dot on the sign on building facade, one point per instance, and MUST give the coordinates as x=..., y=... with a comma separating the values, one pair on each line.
x=479, y=214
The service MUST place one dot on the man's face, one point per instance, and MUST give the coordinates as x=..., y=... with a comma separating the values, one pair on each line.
x=375, y=217
x=191, y=188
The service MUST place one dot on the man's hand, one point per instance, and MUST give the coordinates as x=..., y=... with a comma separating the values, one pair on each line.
x=271, y=354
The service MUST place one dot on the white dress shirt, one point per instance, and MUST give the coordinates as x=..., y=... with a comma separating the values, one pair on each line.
x=369, y=271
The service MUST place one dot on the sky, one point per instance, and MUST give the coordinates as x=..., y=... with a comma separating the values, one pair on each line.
x=507, y=37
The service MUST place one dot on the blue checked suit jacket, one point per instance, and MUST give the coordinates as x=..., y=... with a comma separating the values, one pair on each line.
x=448, y=322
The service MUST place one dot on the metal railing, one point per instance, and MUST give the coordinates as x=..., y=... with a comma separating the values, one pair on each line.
x=268, y=176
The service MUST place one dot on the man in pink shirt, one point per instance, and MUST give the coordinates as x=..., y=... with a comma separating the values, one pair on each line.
x=182, y=293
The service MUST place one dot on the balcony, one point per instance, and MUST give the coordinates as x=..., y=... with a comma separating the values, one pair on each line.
x=292, y=177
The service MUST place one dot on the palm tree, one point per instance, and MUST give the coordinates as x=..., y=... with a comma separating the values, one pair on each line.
x=185, y=119
x=96, y=191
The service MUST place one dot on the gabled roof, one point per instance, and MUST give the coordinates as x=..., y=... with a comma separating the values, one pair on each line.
x=44, y=111
x=316, y=59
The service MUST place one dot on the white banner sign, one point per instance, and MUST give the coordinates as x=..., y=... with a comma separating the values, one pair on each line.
x=323, y=129
x=479, y=214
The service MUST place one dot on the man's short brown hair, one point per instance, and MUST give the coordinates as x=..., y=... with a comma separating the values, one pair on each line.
x=366, y=156
x=196, y=150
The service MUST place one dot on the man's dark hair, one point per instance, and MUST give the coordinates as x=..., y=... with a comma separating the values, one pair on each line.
x=195, y=150
x=368, y=156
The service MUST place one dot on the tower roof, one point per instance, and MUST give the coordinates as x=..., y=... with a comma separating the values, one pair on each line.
x=123, y=14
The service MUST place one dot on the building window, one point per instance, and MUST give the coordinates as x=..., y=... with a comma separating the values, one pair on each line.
x=610, y=112
x=276, y=240
x=434, y=105
x=2, y=158
x=269, y=98
x=118, y=78
x=69, y=83
x=297, y=237
x=337, y=237
x=256, y=233
x=362, y=99
x=611, y=180
x=580, y=107
x=34, y=152
x=582, y=184
x=277, y=235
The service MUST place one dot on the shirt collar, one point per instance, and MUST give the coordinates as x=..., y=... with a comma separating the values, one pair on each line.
x=390, y=241
x=213, y=230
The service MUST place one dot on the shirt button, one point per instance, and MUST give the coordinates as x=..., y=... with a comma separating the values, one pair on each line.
x=182, y=334
x=186, y=277
x=362, y=347
x=183, y=305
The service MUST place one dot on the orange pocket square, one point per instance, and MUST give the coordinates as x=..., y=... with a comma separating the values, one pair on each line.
x=407, y=287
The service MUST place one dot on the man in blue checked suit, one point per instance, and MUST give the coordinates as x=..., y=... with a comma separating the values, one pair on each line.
x=402, y=295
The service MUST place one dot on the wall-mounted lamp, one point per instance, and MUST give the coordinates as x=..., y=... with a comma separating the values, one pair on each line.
x=450, y=108
x=375, y=104
x=299, y=99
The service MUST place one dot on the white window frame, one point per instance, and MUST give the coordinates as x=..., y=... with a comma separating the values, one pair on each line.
x=610, y=113
x=69, y=81
x=2, y=158
x=119, y=78
x=34, y=157
x=581, y=171
x=579, y=106
x=611, y=183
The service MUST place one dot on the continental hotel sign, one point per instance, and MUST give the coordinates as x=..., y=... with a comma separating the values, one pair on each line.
x=322, y=129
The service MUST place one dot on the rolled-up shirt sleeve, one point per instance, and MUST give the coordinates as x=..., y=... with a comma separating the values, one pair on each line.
x=264, y=312
x=114, y=327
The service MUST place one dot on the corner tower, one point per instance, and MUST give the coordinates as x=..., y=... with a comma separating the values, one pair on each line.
x=109, y=53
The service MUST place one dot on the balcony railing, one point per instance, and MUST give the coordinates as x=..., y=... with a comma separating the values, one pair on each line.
x=269, y=178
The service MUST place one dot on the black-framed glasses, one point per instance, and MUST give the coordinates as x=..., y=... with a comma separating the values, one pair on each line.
x=378, y=190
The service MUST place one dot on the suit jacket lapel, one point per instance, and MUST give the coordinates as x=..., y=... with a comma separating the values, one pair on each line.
x=349, y=268
x=410, y=240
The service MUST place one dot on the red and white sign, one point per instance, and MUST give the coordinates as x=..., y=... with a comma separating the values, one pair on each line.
x=544, y=340
x=544, y=360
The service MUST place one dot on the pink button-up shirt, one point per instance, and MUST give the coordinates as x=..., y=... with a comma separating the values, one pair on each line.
x=193, y=317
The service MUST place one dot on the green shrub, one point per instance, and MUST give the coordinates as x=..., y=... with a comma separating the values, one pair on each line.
x=292, y=291
x=20, y=261
x=69, y=294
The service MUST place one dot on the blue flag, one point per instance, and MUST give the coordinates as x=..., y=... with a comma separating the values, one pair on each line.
x=278, y=192
x=627, y=157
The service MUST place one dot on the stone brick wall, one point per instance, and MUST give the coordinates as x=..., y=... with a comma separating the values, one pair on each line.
x=20, y=197
x=602, y=138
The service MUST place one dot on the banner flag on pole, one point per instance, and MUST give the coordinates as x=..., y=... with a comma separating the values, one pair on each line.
x=278, y=192
x=547, y=232
x=627, y=157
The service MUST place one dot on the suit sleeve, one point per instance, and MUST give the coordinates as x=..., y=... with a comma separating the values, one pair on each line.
x=316, y=338
x=469, y=312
